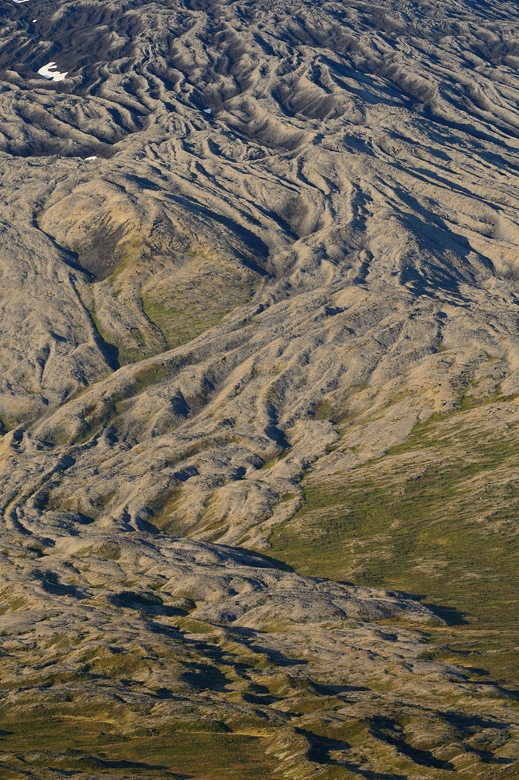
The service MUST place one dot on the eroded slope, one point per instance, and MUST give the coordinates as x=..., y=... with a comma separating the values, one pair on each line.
x=294, y=241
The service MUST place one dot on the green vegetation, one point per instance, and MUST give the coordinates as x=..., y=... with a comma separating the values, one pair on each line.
x=190, y=297
x=83, y=744
x=434, y=517
x=324, y=411
x=128, y=254
x=205, y=293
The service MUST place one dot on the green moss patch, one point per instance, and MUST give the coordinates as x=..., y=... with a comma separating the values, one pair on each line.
x=205, y=292
x=85, y=745
x=435, y=517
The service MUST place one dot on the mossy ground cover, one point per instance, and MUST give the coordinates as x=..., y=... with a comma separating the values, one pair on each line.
x=435, y=517
x=84, y=744
x=189, y=297
x=206, y=291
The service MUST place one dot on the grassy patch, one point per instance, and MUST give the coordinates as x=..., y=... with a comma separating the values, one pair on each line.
x=130, y=253
x=324, y=411
x=435, y=517
x=205, y=293
x=83, y=744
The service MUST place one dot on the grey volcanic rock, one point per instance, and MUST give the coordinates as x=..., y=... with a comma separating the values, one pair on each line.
x=295, y=237
x=356, y=175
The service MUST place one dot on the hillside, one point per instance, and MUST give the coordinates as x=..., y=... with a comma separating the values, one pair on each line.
x=259, y=388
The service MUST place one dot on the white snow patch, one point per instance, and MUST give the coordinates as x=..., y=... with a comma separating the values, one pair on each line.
x=90, y=158
x=20, y=1
x=207, y=111
x=51, y=72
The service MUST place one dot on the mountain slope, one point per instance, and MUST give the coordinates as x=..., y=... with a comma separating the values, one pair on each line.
x=260, y=288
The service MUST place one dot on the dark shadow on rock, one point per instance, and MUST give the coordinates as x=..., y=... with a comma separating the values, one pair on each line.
x=321, y=747
x=145, y=525
x=51, y=584
x=184, y=474
x=261, y=699
x=275, y=433
x=449, y=264
x=204, y=677
x=170, y=631
x=450, y=615
x=101, y=258
x=165, y=693
x=391, y=732
x=149, y=603
x=334, y=690
x=266, y=561
x=81, y=519
x=274, y=656
x=477, y=672
x=471, y=724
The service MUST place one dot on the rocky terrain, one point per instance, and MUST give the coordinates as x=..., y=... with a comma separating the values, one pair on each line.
x=259, y=295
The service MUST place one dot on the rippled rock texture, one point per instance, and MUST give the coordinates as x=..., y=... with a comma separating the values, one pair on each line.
x=259, y=287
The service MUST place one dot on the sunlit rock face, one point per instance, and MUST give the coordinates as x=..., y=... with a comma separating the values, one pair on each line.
x=247, y=250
